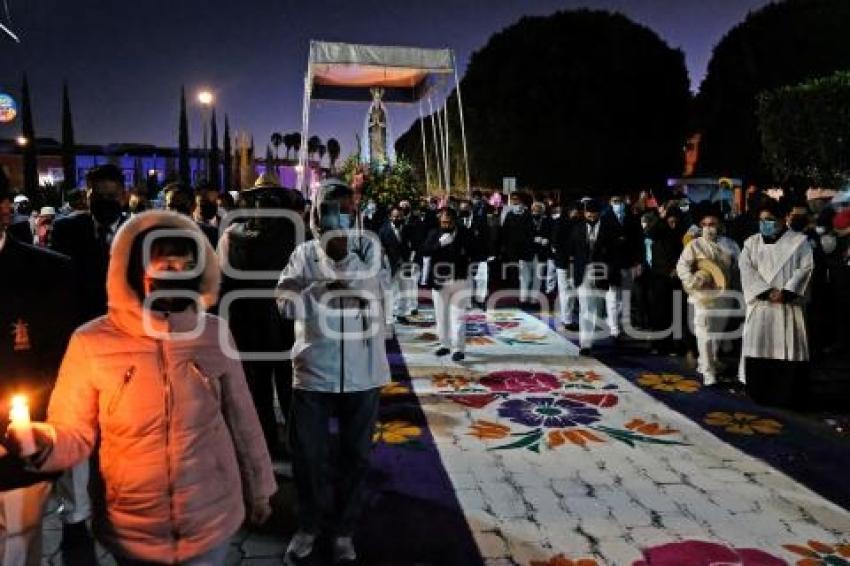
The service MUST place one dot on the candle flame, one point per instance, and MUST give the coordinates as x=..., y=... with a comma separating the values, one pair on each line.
x=19, y=402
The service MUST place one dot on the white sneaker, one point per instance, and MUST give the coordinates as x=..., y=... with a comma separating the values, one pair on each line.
x=301, y=545
x=708, y=380
x=344, y=550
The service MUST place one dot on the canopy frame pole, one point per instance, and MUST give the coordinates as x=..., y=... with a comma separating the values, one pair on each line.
x=305, y=129
x=424, y=148
x=462, y=128
x=448, y=155
x=437, y=151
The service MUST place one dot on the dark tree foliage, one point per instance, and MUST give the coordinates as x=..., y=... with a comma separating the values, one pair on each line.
x=333, y=152
x=781, y=44
x=215, y=154
x=805, y=132
x=69, y=148
x=228, y=156
x=579, y=100
x=183, y=168
x=31, y=148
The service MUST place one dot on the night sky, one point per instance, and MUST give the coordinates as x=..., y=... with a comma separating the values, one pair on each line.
x=125, y=60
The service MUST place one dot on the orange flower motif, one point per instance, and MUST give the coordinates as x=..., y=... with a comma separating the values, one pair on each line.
x=743, y=423
x=449, y=381
x=581, y=376
x=394, y=388
x=479, y=341
x=817, y=553
x=396, y=432
x=669, y=382
x=486, y=430
x=576, y=436
x=649, y=429
x=562, y=560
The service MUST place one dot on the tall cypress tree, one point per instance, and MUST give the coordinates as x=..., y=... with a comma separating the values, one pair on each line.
x=31, y=147
x=183, y=168
x=270, y=165
x=215, y=155
x=228, y=156
x=69, y=148
x=252, y=167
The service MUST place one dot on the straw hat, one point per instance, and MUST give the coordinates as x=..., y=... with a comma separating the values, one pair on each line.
x=266, y=181
x=47, y=211
x=711, y=271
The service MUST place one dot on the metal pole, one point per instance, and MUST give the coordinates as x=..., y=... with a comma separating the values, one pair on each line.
x=462, y=129
x=305, y=128
x=424, y=148
x=448, y=156
x=437, y=151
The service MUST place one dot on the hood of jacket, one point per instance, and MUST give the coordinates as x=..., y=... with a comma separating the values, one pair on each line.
x=124, y=306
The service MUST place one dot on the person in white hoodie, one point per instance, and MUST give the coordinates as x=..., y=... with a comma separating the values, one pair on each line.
x=333, y=288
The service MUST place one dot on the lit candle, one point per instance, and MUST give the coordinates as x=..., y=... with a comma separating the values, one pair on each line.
x=19, y=415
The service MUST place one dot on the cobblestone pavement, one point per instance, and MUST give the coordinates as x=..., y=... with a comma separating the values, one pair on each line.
x=560, y=456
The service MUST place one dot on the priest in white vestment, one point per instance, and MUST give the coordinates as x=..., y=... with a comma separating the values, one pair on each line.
x=776, y=271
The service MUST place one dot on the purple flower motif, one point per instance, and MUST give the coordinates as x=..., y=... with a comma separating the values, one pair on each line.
x=548, y=412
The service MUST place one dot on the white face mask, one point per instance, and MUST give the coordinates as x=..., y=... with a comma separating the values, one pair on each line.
x=828, y=242
x=710, y=232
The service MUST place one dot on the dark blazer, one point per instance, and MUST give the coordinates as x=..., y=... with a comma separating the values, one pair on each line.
x=629, y=238
x=517, y=237
x=542, y=229
x=448, y=261
x=74, y=236
x=605, y=253
x=562, y=230
x=21, y=230
x=480, y=233
x=397, y=250
x=36, y=320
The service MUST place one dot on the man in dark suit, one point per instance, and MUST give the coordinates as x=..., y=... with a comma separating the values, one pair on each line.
x=517, y=238
x=474, y=219
x=571, y=216
x=450, y=249
x=180, y=198
x=86, y=238
x=36, y=321
x=629, y=252
x=594, y=253
x=541, y=248
x=397, y=242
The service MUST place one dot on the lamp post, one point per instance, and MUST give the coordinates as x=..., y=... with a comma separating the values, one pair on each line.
x=206, y=100
x=22, y=141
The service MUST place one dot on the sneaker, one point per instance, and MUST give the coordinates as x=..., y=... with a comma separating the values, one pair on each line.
x=572, y=327
x=585, y=352
x=401, y=319
x=442, y=352
x=414, y=312
x=301, y=545
x=343, y=550
x=458, y=357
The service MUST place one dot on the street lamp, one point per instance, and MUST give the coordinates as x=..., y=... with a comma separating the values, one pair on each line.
x=205, y=97
x=22, y=141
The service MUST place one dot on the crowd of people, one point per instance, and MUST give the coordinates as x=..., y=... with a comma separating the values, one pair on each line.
x=170, y=355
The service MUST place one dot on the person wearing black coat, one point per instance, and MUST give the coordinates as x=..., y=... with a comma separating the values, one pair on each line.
x=261, y=246
x=561, y=238
x=475, y=221
x=450, y=250
x=657, y=280
x=36, y=321
x=397, y=241
x=628, y=254
x=595, y=254
x=542, y=228
x=517, y=245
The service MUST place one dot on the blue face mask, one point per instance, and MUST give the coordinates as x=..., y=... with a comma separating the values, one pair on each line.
x=619, y=208
x=768, y=228
x=344, y=221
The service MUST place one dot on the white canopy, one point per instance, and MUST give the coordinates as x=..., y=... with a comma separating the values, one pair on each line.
x=346, y=71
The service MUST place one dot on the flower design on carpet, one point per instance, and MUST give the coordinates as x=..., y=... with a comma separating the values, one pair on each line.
x=562, y=560
x=394, y=388
x=668, y=382
x=524, y=337
x=649, y=429
x=548, y=412
x=518, y=381
x=479, y=341
x=427, y=337
x=397, y=433
x=575, y=376
x=489, y=430
x=577, y=436
x=817, y=553
x=450, y=381
x=703, y=553
x=743, y=423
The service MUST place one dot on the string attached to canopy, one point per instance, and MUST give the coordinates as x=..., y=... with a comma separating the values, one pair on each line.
x=5, y=28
